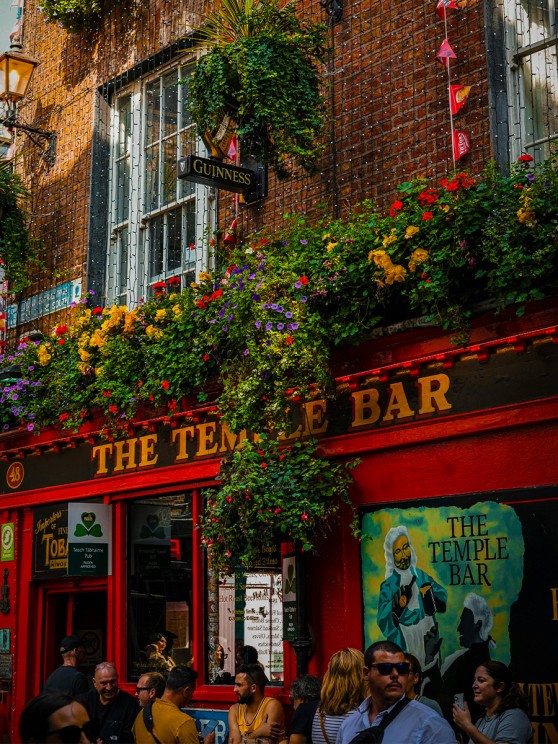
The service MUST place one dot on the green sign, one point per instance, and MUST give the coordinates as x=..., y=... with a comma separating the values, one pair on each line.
x=89, y=533
x=7, y=535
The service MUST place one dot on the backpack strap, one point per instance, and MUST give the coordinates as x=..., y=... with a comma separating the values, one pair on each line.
x=148, y=720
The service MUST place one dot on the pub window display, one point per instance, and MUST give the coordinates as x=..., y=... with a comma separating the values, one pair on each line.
x=245, y=623
x=160, y=583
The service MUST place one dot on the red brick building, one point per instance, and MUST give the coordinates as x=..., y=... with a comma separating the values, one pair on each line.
x=456, y=443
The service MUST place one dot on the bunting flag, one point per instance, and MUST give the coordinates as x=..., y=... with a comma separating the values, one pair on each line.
x=443, y=6
x=445, y=53
x=458, y=97
x=233, y=147
x=461, y=144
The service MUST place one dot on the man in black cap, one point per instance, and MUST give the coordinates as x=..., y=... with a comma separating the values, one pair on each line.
x=67, y=678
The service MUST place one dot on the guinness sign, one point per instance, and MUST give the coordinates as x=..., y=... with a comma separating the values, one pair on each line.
x=216, y=173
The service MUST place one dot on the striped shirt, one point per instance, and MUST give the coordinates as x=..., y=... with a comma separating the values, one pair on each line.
x=332, y=724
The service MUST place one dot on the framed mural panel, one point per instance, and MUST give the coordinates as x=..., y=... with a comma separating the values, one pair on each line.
x=458, y=580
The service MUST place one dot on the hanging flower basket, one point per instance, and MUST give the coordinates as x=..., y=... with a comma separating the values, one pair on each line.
x=262, y=69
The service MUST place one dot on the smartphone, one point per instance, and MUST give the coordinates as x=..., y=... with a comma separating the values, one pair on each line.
x=459, y=699
x=209, y=728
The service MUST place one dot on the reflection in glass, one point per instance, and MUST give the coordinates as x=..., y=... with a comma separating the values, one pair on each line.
x=169, y=170
x=152, y=111
x=160, y=584
x=170, y=103
x=152, y=178
x=174, y=232
x=156, y=247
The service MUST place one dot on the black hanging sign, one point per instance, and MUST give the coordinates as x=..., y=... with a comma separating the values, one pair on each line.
x=216, y=173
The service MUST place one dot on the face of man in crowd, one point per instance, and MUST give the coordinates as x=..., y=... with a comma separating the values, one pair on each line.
x=244, y=688
x=73, y=714
x=144, y=692
x=105, y=682
x=402, y=553
x=386, y=689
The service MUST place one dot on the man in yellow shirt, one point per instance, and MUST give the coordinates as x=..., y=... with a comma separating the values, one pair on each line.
x=163, y=722
x=255, y=716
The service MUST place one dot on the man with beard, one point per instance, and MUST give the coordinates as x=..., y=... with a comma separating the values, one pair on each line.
x=407, y=607
x=111, y=709
x=255, y=716
x=387, y=715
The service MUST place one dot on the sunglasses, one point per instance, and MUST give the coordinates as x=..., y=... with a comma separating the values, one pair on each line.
x=385, y=668
x=72, y=734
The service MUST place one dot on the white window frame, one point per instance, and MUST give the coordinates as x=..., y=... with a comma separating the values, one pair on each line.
x=525, y=39
x=138, y=284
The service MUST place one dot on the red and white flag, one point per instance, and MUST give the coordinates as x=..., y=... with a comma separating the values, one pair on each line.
x=445, y=53
x=458, y=97
x=461, y=144
x=233, y=148
x=443, y=6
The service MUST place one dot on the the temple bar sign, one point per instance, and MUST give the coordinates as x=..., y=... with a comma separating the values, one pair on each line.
x=215, y=173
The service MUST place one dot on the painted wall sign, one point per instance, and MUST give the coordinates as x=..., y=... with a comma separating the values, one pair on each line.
x=466, y=579
x=289, y=598
x=71, y=539
x=507, y=378
x=215, y=173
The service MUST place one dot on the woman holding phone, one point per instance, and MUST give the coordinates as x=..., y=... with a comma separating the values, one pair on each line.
x=505, y=720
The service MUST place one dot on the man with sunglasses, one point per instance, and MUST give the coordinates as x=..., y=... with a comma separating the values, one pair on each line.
x=149, y=687
x=387, y=715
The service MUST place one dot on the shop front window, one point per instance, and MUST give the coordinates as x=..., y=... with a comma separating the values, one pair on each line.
x=160, y=584
x=245, y=623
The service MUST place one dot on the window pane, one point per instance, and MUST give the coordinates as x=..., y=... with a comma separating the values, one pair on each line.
x=152, y=111
x=160, y=584
x=185, y=85
x=245, y=623
x=124, y=126
x=170, y=104
x=156, y=247
x=169, y=170
x=174, y=231
x=123, y=265
x=151, y=199
x=190, y=237
x=540, y=81
x=122, y=189
x=538, y=20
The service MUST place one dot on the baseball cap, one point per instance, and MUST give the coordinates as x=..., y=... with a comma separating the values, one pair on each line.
x=69, y=643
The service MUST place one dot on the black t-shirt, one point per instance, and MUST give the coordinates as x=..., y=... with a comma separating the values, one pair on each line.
x=67, y=679
x=114, y=720
x=303, y=717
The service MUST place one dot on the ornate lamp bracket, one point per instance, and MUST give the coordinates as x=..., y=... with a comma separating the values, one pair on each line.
x=334, y=9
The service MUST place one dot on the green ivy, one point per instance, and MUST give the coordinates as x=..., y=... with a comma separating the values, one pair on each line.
x=72, y=15
x=17, y=248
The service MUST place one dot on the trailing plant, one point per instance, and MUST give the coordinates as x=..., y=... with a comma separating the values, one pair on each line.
x=72, y=15
x=270, y=494
x=17, y=248
x=254, y=341
x=262, y=70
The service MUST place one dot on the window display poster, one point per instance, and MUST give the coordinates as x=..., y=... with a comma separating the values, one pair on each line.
x=465, y=579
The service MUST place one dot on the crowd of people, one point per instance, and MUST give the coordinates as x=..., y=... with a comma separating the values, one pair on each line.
x=362, y=699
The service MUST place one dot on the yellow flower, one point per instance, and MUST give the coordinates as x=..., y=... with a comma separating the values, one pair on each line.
x=395, y=273
x=410, y=231
x=445, y=208
x=204, y=276
x=43, y=355
x=83, y=367
x=389, y=239
x=380, y=258
x=176, y=309
x=325, y=236
x=194, y=285
x=85, y=356
x=526, y=217
x=98, y=339
x=129, y=318
x=153, y=332
x=420, y=255
x=330, y=246
x=160, y=314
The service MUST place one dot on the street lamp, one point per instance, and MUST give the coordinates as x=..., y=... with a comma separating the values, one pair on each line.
x=16, y=71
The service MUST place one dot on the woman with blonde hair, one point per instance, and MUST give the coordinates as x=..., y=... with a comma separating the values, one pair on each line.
x=343, y=690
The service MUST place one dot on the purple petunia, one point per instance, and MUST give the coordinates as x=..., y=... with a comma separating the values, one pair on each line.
x=269, y=326
x=288, y=314
x=280, y=326
x=258, y=323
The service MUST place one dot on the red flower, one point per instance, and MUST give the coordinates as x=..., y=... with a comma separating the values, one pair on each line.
x=174, y=281
x=395, y=207
x=192, y=246
x=264, y=465
x=97, y=311
x=212, y=242
x=113, y=409
x=428, y=196
x=165, y=384
x=106, y=393
x=201, y=304
x=61, y=341
x=452, y=185
x=61, y=330
x=525, y=159
x=82, y=414
x=427, y=215
x=63, y=417
x=218, y=293
x=304, y=516
x=173, y=405
x=303, y=279
x=206, y=357
x=289, y=340
x=160, y=286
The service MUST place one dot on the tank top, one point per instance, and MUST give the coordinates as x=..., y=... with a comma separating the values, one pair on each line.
x=247, y=728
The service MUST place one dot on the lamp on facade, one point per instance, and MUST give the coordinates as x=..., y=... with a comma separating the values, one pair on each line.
x=16, y=71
